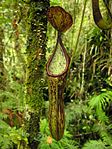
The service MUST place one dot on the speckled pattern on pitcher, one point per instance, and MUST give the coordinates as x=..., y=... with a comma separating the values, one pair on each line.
x=56, y=106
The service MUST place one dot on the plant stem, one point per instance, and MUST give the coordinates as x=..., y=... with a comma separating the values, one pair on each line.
x=77, y=41
x=83, y=68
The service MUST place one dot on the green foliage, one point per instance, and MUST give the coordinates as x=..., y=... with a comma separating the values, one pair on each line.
x=99, y=103
x=94, y=144
x=90, y=119
x=65, y=143
x=13, y=97
x=11, y=136
x=104, y=133
x=88, y=114
x=55, y=2
x=5, y=142
x=18, y=136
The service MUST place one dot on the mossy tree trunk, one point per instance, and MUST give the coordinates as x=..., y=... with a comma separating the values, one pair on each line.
x=36, y=46
x=3, y=80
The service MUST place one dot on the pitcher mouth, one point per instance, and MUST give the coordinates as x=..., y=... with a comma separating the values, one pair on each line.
x=67, y=59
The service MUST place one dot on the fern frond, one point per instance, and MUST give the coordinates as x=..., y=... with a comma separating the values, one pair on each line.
x=93, y=144
x=101, y=99
x=99, y=103
x=106, y=137
x=103, y=132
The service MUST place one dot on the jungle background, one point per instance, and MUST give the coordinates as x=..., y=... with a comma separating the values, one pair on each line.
x=26, y=42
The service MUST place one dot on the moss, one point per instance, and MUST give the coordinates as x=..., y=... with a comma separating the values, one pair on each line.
x=36, y=45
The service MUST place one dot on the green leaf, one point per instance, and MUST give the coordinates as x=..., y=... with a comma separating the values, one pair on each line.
x=99, y=102
x=93, y=144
